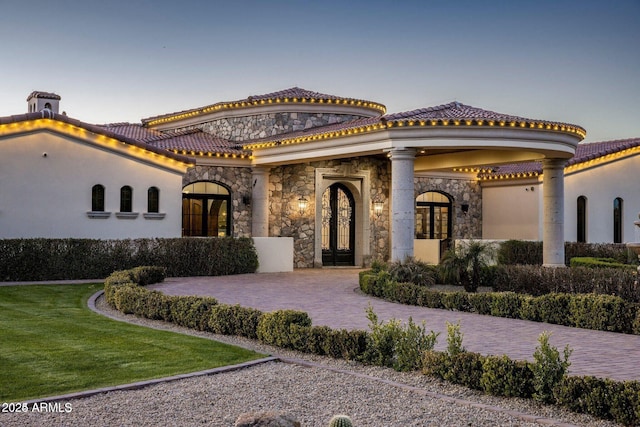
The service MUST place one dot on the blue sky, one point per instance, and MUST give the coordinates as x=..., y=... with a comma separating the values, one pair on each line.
x=566, y=60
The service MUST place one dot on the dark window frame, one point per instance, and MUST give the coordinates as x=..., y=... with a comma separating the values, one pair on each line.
x=97, y=198
x=618, y=206
x=126, y=198
x=432, y=208
x=153, y=200
x=581, y=219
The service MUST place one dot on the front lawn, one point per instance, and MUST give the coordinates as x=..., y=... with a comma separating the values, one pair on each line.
x=51, y=343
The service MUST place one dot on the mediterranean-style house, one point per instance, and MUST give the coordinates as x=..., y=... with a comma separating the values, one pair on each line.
x=338, y=180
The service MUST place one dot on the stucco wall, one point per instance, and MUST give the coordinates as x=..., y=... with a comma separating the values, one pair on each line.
x=50, y=196
x=601, y=185
x=512, y=211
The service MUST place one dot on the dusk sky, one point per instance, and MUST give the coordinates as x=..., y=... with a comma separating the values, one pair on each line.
x=575, y=61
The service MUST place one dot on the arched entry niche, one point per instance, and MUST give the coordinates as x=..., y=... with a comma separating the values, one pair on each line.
x=355, y=183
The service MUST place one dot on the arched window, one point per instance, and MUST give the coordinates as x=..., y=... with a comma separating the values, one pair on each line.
x=581, y=220
x=97, y=198
x=617, y=220
x=433, y=215
x=206, y=209
x=153, y=200
x=126, y=199
x=47, y=106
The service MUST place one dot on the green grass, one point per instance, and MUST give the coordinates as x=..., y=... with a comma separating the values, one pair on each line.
x=51, y=343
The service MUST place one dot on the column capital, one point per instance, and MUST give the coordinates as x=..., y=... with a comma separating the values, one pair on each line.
x=402, y=153
x=554, y=163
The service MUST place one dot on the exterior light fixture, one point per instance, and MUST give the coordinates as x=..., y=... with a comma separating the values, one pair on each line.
x=378, y=205
x=302, y=204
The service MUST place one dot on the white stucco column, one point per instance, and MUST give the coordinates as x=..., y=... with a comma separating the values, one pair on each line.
x=553, y=212
x=402, y=203
x=260, y=202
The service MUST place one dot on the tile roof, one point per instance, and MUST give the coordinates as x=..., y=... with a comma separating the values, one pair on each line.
x=456, y=110
x=453, y=113
x=45, y=95
x=197, y=142
x=584, y=153
x=291, y=94
x=193, y=141
x=99, y=130
x=133, y=130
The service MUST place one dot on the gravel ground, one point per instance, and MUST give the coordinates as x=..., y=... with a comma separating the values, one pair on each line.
x=312, y=391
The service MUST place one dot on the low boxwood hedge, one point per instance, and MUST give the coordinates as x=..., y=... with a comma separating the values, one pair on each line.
x=589, y=311
x=497, y=375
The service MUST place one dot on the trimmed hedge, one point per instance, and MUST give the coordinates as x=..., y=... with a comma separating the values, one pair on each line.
x=593, y=262
x=536, y=280
x=502, y=376
x=524, y=252
x=67, y=259
x=589, y=311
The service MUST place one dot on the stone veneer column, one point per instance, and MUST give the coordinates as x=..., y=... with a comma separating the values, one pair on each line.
x=402, y=203
x=260, y=202
x=553, y=212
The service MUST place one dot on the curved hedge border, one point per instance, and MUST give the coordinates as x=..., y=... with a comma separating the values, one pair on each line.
x=500, y=376
x=588, y=311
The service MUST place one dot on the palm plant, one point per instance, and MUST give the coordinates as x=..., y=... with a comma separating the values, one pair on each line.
x=463, y=264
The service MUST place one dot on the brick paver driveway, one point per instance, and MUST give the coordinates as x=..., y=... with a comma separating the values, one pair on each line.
x=330, y=297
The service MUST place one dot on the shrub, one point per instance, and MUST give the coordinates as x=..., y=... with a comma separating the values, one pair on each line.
x=537, y=280
x=602, y=312
x=392, y=345
x=458, y=301
x=513, y=252
x=436, y=363
x=481, y=303
x=593, y=262
x=502, y=376
x=275, y=327
x=412, y=271
x=507, y=304
x=464, y=263
x=465, y=369
x=454, y=339
x=57, y=259
x=548, y=368
x=191, y=311
x=234, y=320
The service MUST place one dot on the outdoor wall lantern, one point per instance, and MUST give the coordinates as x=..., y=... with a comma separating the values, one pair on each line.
x=465, y=208
x=378, y=205
x=302, y=204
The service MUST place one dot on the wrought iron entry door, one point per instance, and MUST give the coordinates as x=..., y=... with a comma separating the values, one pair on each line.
x=338, y=226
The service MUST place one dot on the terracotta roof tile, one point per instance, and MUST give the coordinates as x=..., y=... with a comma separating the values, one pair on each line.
x=294, y=92
x=133, y=130
x=196, y=141
x=97, y=129
x=456, y=110
x=584, y=153
x=45, y=95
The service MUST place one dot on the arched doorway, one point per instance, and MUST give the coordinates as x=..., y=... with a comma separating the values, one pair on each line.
x=338, y=226
x=205, y=210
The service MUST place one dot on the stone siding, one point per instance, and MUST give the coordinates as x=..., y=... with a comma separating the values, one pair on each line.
x=288, y=183
x=240, y=129
x=463, y=191
x=238, y=179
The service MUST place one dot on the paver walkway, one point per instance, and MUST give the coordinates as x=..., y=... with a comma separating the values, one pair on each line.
x=330, y=297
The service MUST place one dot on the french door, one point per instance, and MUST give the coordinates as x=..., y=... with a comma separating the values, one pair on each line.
x=338, y=226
